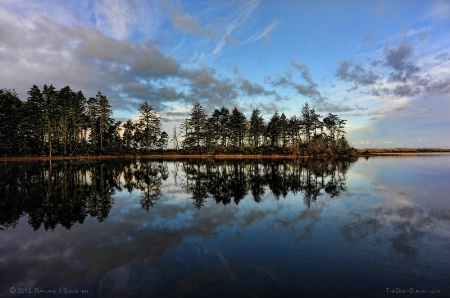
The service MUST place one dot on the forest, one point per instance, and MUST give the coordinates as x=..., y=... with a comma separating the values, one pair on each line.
x=64, y=122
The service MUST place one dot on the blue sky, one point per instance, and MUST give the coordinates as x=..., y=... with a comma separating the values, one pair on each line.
x=382, y=65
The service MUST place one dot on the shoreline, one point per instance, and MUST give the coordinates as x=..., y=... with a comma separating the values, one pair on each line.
x=399, y=151
x=360, y=153
x=151, y=156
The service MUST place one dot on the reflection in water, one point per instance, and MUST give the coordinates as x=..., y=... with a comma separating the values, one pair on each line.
x=226, y=228
x=57, y=193
x=227, y=181
x=67, y=192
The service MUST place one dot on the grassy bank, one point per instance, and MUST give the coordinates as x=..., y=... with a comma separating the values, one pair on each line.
x=360, y=152
x=154, y=156
x=399, y=151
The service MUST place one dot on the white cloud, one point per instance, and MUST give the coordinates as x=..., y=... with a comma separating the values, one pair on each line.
x=264, y=33
x=441, y=9
x=239, y=18
x=121, y=18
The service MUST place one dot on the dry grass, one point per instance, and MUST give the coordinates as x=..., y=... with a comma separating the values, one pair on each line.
x=152, y=156
x=399, y=151
x=361, y=152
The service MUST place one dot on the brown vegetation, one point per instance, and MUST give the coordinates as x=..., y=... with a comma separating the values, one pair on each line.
x=399, y=151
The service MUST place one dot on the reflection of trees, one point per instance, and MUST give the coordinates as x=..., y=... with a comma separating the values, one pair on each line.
x=67, y=192
x=197, y=178
x=149, y=176
x=226, y=180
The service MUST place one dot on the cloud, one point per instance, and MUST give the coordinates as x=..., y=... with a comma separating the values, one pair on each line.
x=184, y=22
x=397, y=74
x=148, y=61
x=399, y=59
x=206, y=87
x=367, y=39
x=304, y=72
x=83, y=57
x=354, y=72
x=238, y=19
x=321, y=104
x=249, y=88
x=264, y=34
x=441, y=9
x=309, y=90
x=118, y=18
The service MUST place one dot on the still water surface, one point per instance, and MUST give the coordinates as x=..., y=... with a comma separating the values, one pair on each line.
x=244, y=228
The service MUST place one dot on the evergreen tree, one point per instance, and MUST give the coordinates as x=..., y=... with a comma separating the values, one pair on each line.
x=76, y=115
x=34, y=122
x=49, y=94
x=163, y=141
x=256, y=129
x=149, y=127
x=195, y=128
x=128, y=133
x=99, y=114
x=307, y=121
x=10, y=119
x=284, y=133
x=215, y=129
x=274, y=130
x=93, y=117
x=238, y=128
x=104, y=118
x=224, y=122
x=63, y=99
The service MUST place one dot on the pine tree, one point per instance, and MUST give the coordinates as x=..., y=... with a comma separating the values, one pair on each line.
x=256, y=129
x=195, y=128
x=10, y=119
x=104, y=117
x=274, y=130
x=34, y=121
x=49, y=94
x=307, y=121
x=238, y=127
x=148, y=128
x=128, y=133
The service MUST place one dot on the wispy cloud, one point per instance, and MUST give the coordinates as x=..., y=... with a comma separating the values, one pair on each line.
x=238, y=19
x=121, y=18
x=264, y=34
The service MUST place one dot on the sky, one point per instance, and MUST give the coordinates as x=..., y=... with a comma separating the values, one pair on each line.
x=384, y=66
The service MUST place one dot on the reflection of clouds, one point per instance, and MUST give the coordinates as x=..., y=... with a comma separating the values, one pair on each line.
x=104, y=256
x=404, y=228
x=300, y=226
x=174, y=248
x=394, y=195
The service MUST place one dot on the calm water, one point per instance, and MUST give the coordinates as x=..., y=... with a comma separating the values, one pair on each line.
x=226, y=228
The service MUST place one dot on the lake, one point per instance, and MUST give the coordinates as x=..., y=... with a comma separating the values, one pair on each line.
x=226, y=228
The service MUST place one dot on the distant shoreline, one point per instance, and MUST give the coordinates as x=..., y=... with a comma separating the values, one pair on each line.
x=360, y=153
x=399, y=151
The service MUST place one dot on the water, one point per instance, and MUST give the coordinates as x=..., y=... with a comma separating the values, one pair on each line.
x=244, y=228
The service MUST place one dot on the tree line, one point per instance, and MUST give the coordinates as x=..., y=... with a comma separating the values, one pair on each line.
x=231, y=132
x=64, y=122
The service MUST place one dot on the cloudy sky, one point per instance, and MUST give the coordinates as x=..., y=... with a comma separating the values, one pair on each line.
x=382, y=65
